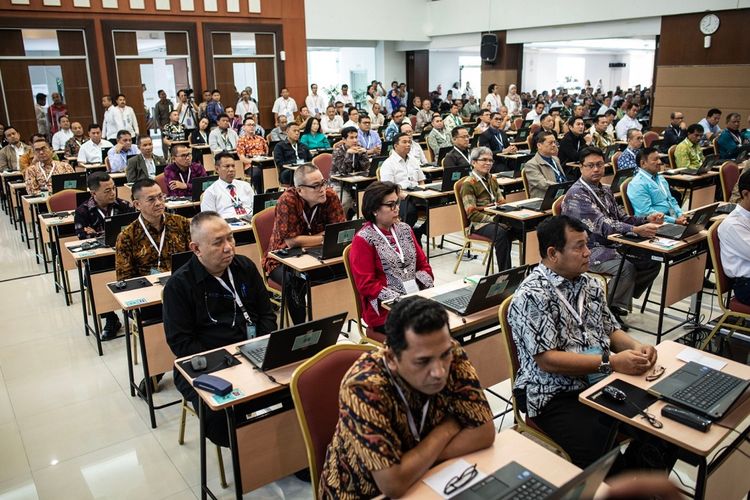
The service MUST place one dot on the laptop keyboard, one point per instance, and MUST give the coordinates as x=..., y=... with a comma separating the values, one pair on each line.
x=705, y=392
x=530, y=489
x=457, y=299
x=256, y=354
x=534, y=205
x=673, y=231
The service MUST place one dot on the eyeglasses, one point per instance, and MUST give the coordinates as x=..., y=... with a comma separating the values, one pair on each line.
x=393, y=205
x=484, y=160
x=185, y=155
x=315, y=187
x=458, y=482
x=153, y=199
x=596, y=165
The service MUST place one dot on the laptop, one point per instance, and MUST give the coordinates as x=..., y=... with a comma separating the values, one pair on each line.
x=293, y=344
x=553, y=192
x=179, y=259
x=76, y=180
x=489, y=292
x=336, y=237
x=442, y=152
x=82, y=197
x=742, y=153
x=701, y=389
x=708, y=162
x=515, y=481
x=200, y=184
x=619, y=178
x=264, y=201
x=696, y=224
x=451, y=175
x=527, y=123
x=521, y=135
x=105, y=152
x=114, y=225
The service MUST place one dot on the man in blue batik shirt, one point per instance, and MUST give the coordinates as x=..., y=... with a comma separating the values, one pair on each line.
x=649, y=192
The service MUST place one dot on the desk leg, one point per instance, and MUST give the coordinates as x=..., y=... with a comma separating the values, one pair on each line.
x=283, y=297
x=128, y=353
x=616, y=279
x=309, y=301
x=202, y=425
x=53, y=254
x=144, y=362
x=662, y=300
x=94, y=316
x=234, y=449
x=523, y=245
x=82, y=287
x=32, y=211
x=700, y=480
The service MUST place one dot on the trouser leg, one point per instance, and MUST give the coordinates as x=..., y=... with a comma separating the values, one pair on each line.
x=622, y=296
x=501, y=241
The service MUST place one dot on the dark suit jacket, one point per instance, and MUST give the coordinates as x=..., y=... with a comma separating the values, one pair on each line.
x=570, y=145
x=492, y=139
x=137, y=170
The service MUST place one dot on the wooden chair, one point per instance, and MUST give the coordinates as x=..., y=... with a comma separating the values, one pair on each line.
x=523, y=424
x=671, y=156
x=616, y=161
x=162, y=182
x=366, y=333
x=315, y=392
x=729, y=174
x=625, y=200
x=517, y=122
x=715, y=145
x=525, y=183
x=557, y=205
x=469, y=239
x=181, y=440
x=730, y=307
x=262, y=227
x=324, y=162
x=63, y=200
x=649, y=137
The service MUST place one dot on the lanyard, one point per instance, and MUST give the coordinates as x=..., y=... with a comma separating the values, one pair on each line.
x=463, y=155
x=186, y=182
x=585, y=184
x=225, y=139
x=104, y=216
x=296, y=153
x=368, y=138
x=151, y=240
x=658, y=184
x=236, y=296
x=47, y=177
x=417, y=433
x=577, y=315
x=150, y=164
x=312, y=217
x=552, y=164
x=400, y=253
x=236, y=202
x=499, y=140
x=492, y=195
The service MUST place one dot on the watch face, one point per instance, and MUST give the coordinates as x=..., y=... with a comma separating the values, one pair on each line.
x=709, y=24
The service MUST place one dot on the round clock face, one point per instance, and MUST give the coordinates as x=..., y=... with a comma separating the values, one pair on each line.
x=709, y=24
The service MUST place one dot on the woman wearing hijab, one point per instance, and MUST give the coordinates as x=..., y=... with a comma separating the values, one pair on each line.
x=513, y=101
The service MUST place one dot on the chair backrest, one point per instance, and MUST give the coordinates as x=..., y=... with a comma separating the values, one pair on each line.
x=533, y=129
x=357, y=298
x=625, y=200
x=324, y=162
x=315, y=392
x=460, y=204
x=517, y=122
x=377, y=173
x=63, y=200
x=162, y=182
x=649, y=137
x=510, y=349
x=715, y=144
x=670, y=155
x=714, y=249
x=413, y=120
x=616, y=160
x=557, y=205
x=729, y=173
x=262, y=228
x=525, y=182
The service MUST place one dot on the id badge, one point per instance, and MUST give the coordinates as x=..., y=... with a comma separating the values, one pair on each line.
x=595, y=377
x=300, y=161
x=250, y=330
x=154, y=270
x=411, y=286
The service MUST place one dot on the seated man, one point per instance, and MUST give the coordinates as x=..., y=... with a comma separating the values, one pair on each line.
x=628, y=121
x=675, y=133
x=278, y=133
x=730, y=139
x=146, y=246
x=393, y=128
x=572, y=143
x=10, y=155
x=227, y=196
x=117, y=157
x=143, y=166
x=594, y=204
x=600, y=137
x=453, y=119
x=481, y=190
x=223, y=137
x=649, y=192
x=367, y=137
x=290, y=152
x=249, y=145
x=89, y=223
x=302, y=214
x=710, y=126
x=353, y=120
x=416, y=152
x=566, y=338
x=62, y=135
x=382, y=442
x=688, y=153
x=331, y=123
x=400, y=168
x=459, y=155
x=536, y=113
x=172, y=131
x=544, y=169
x=73, y=145
x=38, y=174
x=182, y=169
x=635, y=143
x=438, y=137
x=91, y=150
x=734, y=233
x=495, y=139
x=200, y=305
x=348, y=157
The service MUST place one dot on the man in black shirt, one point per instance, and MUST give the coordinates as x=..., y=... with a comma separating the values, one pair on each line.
x=571, y=144
x=459, y=155
x=675, y=133
x=290, y=152
x=201, y=311
x=495, y=139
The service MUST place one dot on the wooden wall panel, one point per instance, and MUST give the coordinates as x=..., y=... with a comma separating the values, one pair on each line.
x=502, y=77
x=682, y=42
x=129, y=71
x=126, y=43
x=266, y=88
x=222, y=44
x=417, y=72
x=177, y=43
x=77, y=91
x=20, y=101
x=295, y=47
x=12, y=43
x=71, y=43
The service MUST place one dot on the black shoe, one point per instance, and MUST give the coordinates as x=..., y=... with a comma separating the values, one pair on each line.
x=142, y=386
x=707, y=283
x=303, y=475
x=110, y=330
x=618, y=311
x=623, y=326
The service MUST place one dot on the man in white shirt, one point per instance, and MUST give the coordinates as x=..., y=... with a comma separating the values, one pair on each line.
x=734, y=234
x=606, y=104
x=223, y=137
x=628, y=121
x=401, y=169
x=62, y=135
x=345, y=97
x=710, y=125
x=245, y=105
x=117, y=157
x=353, y=120
x=416, y=152
x=228, y=196
x=284, y=105
x=535, y=113
x=314, y=102
x=107, y=121
x=331, y=123
x=91, y=150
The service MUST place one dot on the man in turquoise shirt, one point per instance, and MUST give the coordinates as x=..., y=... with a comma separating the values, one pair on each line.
x=649, y=192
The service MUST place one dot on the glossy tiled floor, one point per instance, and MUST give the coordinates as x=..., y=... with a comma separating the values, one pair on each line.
x=69, y=428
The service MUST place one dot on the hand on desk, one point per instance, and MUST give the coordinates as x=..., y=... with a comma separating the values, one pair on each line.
x=632, y=361
x=177, y=185
x=646, y=230
x=656, y=218
x=681, y=220
x=510, y=150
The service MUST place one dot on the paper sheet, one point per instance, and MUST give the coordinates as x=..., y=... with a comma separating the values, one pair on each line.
x=438, y=481
x=688, y=355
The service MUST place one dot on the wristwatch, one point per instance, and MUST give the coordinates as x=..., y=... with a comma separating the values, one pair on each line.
x=604, y=366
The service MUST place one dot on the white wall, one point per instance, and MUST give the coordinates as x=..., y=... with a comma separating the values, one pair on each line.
x=390, y=64
x=444, y=69
x=366, y=20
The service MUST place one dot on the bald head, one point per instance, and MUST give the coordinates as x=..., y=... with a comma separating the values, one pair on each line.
x=212, y=241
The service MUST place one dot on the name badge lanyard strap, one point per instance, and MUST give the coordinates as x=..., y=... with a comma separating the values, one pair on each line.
x=552, y=164
x=296, y=152
x=236, y=296
x=186, y=182
x=601, y=203
x=47, y=177
x=492, y=195
x=463, y=155
x=417, y=433
x=236, y=201
x=151, y=240
x=312, y=217
x=400, y=253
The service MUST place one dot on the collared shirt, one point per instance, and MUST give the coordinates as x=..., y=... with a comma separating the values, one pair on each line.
x=331, y=126
x=346, y=163
x=315, y=141
x=60, y=138
x=136, y=256
x=540, y=322
x=672, y=135
x=92, y=153
x=286, y=107
x=424, y=117
x=213, y=110
x=222, y=140
x=707, y=127
x=252, y=146
x=173, y=173
x=438, y=139
x=688, y=155
x=316, y=104
x=602, y=140
x=405, y=173
x=368, y=140
x=373, y=431
x=285, y=154
x=118, y=161
x=88, y=214
x=391, y=131
x=475, y=195
x=416, y=153
x=734, y=233
x=10, y=156
x=627, y=159
x=650, y=193
x=244, y=108
x=277, y=135
x=38, y=177
x=122, y=119
x=376, y=121
x=290, y=221
x=218, y=199
x=73, y=146
x=174, y=131
x=452, y=121
x=625, y=124
x=344, y=99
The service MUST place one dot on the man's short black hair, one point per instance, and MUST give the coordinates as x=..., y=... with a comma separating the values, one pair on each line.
x=399, y=136
x=712, y=112
x=419, y=314
x=118, y=96
x=695, y=127
x=348, y=130
x=140, y=185
x=175, y=147
x=95, y=179
x=743, y=184
x=373, y=197
x=589, y=151
x=456, y=130
x=643, y=154
x=599, y=117
x=551, y=232
x=572, y=120
x=611, y=112
x=222, y=115
x=121, y=133
x=541, y=136
x=94, y=126
x=222, y=154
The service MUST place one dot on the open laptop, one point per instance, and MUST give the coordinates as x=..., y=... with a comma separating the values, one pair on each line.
x=451, y=175
x=489, y=292
x=708, y=162
x=619, y=178
x=701, y=389
x=200, y=184
x=114, y=225
x=293, y=344
x=742, y=153
x=76, y=180
x=553, y=192
x=179, y=259
x=265, y=200
x=515, y=481
x=696, y=224
x=442, y=152
x=336, y=237
x=521, y=135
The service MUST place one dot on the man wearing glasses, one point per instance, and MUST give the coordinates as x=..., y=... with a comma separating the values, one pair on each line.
x=675, y=133
x=544, y=169
x=495, y=139
x=459, y=155
x=181, y=171
x=302, y=214
x=405, y=407
x=594, y=204
x=38, y=174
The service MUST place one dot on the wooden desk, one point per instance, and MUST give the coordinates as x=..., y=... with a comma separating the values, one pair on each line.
x=684, y=264
x=443, y=216
x=525, y=221
x=5, y=196
x=264, y=448
x=50, y=229
x=732, y=481
x=270, y=176
x=32, y=207
x=509, y=446
x=512, y=187
x=700, y=189
x=357, y=183
x=17, y=190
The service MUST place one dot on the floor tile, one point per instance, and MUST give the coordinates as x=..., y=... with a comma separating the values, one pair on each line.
x=13, y=461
